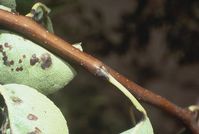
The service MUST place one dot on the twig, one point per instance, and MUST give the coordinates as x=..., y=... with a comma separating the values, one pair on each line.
x=51, y=42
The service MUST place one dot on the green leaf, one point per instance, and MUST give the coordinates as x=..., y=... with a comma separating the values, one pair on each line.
x=40, y=13
x=24, y=62
x=143, y=127
x=78, y=46
x=9, y=3
x=30, y=112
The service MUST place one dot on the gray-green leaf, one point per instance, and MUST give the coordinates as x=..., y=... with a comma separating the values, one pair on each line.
x=9, y=3
x=30, y=112
x=40, y=13
x=24, y=62
x=143, y=127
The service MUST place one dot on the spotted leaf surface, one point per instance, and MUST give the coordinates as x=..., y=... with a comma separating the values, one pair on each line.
x=24, y=62
x=9, y=4
x=30, y=112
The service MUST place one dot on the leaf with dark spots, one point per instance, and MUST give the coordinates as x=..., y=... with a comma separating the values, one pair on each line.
x=25, y=62
x=26, y=111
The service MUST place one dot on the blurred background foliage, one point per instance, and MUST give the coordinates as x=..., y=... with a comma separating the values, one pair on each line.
x=152, y=42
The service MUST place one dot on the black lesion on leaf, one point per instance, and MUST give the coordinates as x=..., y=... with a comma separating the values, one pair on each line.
x=46, y=60
x=6, y=45
x=24, y=56
x=5, y=58
x=20, y=61
x=18, y=69
x=34, y=59
x=1, y=48
x=11, y=62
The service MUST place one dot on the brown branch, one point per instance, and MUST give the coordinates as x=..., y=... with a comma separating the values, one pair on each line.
x=33, y=31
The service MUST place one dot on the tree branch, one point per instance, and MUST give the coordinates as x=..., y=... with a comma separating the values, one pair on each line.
x=51, y=42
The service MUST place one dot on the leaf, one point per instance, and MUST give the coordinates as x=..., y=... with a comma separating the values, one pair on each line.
x=195, y=111
x=40, y=13
x=9, y=3
x=78, y=46
x=30, y=112
x=144, y=126
x=24, y=62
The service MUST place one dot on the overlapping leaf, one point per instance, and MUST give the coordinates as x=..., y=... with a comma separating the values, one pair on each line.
x=30, y=112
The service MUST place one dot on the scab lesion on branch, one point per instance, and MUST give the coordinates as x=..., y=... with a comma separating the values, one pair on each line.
x=102, y=72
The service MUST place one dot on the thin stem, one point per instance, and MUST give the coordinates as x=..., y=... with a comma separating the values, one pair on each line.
x=51, y=42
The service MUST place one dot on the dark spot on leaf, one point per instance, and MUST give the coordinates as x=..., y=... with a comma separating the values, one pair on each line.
x=36, y=131
x=6, y=62
x=34, y=60
x=16, y=100
x=5, y=58
x=11, y=62
x=24, y=56
x=1, y=48
x=7, y=46
x=46, y=61
x=4, y=53
x=32, y=117
x=12, y=69
x=20, y=61
x=19, y=69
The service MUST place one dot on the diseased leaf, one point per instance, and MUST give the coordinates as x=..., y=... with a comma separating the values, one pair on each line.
x=24, y=62
x=9, y=4
x=30, y=112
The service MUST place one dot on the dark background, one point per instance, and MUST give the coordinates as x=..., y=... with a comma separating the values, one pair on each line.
x=153, y=42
